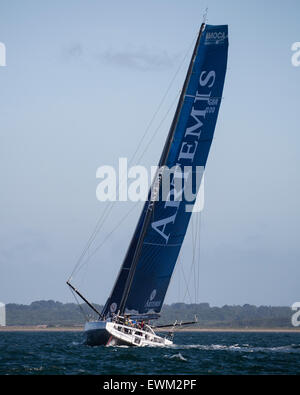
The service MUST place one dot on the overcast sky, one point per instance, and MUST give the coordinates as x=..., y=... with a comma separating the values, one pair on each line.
x=82, y=81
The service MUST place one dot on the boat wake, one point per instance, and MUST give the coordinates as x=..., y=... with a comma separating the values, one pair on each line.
x=292, y=348
x=118, y=346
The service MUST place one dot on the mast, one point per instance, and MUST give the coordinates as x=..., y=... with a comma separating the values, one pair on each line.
x=179, y=105
x=162, y=163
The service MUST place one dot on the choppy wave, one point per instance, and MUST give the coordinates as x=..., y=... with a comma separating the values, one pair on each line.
x=39, y=353
x=178, y=357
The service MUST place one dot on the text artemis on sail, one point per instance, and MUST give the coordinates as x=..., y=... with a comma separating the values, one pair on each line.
x=181, y=187
x=188, y=147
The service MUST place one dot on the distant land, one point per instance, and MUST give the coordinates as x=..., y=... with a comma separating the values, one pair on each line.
x=56, y=314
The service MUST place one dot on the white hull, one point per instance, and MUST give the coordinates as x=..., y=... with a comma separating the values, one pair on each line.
x=132, y=336
x=110, y=333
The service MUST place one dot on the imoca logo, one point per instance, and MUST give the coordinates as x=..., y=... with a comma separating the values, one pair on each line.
x=214, y=37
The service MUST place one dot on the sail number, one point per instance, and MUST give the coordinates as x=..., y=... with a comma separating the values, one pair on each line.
x=212, y=103
x=210, y=110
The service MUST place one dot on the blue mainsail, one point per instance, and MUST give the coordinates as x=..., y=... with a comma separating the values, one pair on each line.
x=144, y=277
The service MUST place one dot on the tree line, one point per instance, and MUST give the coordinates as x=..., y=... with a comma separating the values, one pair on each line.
x=53, y=313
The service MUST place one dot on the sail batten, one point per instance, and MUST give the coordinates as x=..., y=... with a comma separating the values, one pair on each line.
x=149, y=264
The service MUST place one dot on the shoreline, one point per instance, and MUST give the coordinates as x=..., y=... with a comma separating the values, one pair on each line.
x=81, y=329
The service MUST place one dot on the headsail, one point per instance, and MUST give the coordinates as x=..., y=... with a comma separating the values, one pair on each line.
x=149, y=263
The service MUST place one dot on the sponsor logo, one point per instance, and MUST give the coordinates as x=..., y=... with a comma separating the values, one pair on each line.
x=150, y=302
x=153, y=294
x=113, y=307
x=214, y=38
x=153, y=304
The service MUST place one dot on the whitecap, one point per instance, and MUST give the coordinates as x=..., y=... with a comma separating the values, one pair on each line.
x=176, y=356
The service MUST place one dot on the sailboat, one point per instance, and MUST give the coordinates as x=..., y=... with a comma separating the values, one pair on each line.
x=139, y=291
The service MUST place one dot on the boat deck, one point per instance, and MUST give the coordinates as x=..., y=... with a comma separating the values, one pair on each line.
x=123, y=334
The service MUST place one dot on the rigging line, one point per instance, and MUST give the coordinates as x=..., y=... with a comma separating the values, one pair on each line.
x=193, y=261
x=89, y=242
x=194, y=237
x=176, y=268
x=205, y=15
x=107, y=237
x=179, y=293
x=91, y=254
x=156, y=112
x=95, y=231
x=187, y=288
x=195, y=254
x=197, y=263
x=164, y=96
x=193, y=249
x=199, y=250
x=80, y=307
x=197, y=260
x=111, y=205
x=163, y=160
x=159, y=126
x=98, y=227
x=153, y=135
x=108, y=211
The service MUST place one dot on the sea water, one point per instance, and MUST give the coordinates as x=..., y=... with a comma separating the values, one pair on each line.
x=201, y=353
